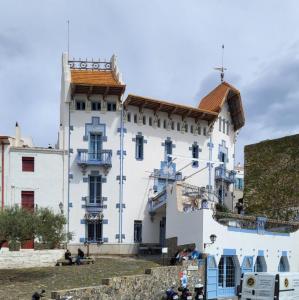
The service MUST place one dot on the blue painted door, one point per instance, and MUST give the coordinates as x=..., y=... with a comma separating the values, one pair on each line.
x=211, y=278
x=226, y=276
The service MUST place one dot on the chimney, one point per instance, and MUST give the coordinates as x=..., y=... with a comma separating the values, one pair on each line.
x=18, y=136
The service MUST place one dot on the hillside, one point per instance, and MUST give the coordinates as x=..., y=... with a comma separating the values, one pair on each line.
x=272, y=177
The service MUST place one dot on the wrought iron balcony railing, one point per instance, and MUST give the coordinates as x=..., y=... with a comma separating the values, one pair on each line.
x=100, y=158
x=221, y=173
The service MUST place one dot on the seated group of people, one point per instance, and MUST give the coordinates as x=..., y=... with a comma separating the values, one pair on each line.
x=68, y=256
x=185, y=254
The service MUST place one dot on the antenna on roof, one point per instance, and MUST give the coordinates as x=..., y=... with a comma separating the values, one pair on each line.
x=221, y=69
x=68, y=39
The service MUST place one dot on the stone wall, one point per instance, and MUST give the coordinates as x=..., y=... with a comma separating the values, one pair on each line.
x=271, y=177
x=29, y=258
x=103, y=249
x=151, y=286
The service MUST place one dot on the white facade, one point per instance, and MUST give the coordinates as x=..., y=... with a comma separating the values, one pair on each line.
x=140, y=182
x=46, y=181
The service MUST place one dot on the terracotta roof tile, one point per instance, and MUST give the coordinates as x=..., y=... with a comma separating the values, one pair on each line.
x=88, y=77
x=214, y=100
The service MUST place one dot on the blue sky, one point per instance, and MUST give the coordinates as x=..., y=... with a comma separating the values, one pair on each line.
x=166, y=49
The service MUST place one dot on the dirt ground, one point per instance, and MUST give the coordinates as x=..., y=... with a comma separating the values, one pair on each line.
x=20, y=284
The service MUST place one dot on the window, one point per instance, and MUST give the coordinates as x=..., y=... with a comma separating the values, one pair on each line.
x=204, y=131
x=137, y=231
x=150, y=121
x=168, y=150
x=260, y=264
x=95, y=146
x=284, y=265
x=111, y=106
x=186, y=127
x=164, y=124
x=223, y=125
x=227, y=128
x=144, y=120
x=172, y=125
x=135, y=118
x=80, y=105
x=96, y=106
x=195, y=154
x=28, y=164
x=129, y=117
x=191, y=128
x=95, y=189
x=220, y=123
x=94, y=231
x=178, y=126
x=159, y=123
x=199, y=130
x=139, y=147
x=226, y=272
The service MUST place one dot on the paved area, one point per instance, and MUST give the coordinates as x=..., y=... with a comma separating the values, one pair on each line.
x=20, y=284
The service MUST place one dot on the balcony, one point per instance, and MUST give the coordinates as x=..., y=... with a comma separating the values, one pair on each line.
x=157, y=201
x=101, y=158
x=94, y=206
x=222, y=174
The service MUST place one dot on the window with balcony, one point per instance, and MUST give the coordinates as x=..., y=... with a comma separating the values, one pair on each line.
x=195, y=154
x=95, y=189
x=139, y=147
x=27, y=164
x=95, y=232
x=95, y=146
x=80, y=105
x=95, y=106
x=137, y=231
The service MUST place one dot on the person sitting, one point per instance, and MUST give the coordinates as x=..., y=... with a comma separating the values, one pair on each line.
x=80, y=256
x=68, y=256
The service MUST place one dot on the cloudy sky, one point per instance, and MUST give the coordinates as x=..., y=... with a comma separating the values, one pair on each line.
x=166, y=49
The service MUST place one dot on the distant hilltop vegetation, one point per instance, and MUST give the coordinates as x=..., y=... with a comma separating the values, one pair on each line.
x=272, y=178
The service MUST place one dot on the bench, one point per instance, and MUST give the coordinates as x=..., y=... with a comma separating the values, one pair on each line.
x=83, y=261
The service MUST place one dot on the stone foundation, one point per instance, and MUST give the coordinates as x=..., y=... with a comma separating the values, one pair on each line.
x=151, y=286
x=29, y=258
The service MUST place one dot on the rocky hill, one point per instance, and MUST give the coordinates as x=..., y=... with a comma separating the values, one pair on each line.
x=272, y=178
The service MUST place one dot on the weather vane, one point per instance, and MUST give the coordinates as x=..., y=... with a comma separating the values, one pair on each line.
x=221, y=69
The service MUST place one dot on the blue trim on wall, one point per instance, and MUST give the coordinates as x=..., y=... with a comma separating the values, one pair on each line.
x=70, y=204
x=105, y=240
x=71, y=127
x=124, y=130
x=94, y=173
x=95, y=126
x=105, y=221
x=70, y=176
x=123, y=205
x=254, y=231
x=82, y=221
x=261, y=253
x=124, y=152
x=84, y=198
x=85, y=179
x=229, y=251
x=82, y=240
x=118, y=177
x=284, y=253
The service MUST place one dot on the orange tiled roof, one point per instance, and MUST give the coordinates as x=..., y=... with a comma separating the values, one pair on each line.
x=215, y=99
x=88, y=77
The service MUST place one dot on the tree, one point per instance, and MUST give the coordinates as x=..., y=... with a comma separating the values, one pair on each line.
x=18, y=225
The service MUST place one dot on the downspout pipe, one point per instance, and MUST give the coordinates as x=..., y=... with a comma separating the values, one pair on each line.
x=121, y=167
x=210, y=166
x=68, y=172
x=2, y=175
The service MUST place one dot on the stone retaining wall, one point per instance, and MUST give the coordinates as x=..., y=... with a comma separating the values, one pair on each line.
x=29, y=258
x=150, y=286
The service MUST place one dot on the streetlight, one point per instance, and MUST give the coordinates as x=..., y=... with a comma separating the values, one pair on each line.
x=61, y=207
x=213, y=238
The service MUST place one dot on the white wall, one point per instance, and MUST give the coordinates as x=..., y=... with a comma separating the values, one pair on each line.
x=47, y=181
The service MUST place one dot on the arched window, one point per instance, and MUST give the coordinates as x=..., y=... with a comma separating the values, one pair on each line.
x=284, y=265
x=260, y=264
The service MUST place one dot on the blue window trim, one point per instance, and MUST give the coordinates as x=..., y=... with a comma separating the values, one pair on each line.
x=139, y=138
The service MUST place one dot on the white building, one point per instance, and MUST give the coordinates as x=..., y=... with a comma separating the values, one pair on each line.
x=32, y=176
x=118, y=162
